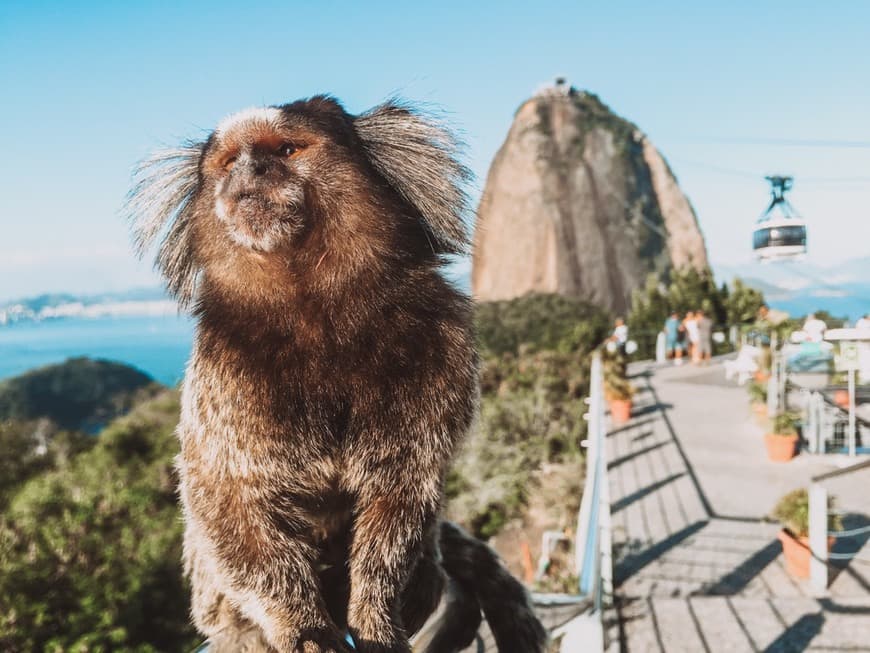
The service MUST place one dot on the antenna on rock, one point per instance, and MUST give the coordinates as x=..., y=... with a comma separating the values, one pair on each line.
x=562, y=87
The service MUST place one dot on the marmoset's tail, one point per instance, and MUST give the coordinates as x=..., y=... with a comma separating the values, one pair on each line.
x=479, y=581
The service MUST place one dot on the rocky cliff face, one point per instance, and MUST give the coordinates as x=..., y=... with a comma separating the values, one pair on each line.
x=579, y=202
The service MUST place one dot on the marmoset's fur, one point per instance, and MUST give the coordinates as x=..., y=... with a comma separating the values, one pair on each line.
x=332, y=377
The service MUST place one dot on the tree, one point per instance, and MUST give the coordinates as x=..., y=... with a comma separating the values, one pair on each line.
x=741, y=302
x=540, y=322
x=687, y=290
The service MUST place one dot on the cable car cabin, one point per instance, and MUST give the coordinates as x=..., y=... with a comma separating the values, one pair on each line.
x=776, y=239
x=780, y=232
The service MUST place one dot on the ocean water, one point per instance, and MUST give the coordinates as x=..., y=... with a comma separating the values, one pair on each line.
x=159, y=346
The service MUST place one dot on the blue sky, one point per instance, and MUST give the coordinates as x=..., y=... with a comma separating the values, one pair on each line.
x=90, y=88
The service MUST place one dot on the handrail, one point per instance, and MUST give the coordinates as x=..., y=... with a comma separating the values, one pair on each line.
x=841, y=472
x=593, y=545
x=818, y=526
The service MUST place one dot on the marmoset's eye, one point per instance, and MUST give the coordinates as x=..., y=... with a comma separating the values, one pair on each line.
x=288, y=149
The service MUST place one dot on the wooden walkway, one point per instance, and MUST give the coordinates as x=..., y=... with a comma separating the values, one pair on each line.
x=697, y=566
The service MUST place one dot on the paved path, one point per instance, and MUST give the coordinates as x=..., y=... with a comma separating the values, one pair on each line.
x=697, y=566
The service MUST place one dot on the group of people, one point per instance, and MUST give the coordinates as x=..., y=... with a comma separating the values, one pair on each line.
x=690, y=336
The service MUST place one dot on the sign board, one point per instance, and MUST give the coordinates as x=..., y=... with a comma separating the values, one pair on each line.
x=847, y=359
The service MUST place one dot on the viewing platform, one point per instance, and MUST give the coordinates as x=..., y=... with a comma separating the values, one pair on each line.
x=697, y=563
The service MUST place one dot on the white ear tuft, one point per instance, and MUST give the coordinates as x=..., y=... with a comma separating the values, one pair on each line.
x=419, y=158
x=164, y=186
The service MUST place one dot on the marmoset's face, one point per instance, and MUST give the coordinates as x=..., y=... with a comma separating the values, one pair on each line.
x=265, y=166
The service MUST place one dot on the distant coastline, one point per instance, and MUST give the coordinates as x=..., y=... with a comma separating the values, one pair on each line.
x=20, y=313
x=133, y=303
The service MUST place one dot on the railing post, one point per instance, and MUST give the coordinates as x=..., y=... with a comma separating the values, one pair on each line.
x=814, y=418
x=852, y=422
x=818, y=518
x=773, y=385
x=605, y=543
x=661, y=348
x=586, y=521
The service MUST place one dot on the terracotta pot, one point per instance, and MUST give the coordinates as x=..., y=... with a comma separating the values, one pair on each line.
x=620, y=410
x=797, y=553
x=762, y=376
x=841, y=398
x=781, y=448
x=759, y=408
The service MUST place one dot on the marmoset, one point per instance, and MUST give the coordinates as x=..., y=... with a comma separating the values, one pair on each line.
x=332, y=377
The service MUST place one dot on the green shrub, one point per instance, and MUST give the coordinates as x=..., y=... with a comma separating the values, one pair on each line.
x=793, y=512
x=785, y=424
x=757, y=392
x=540, y=322
x=534, y=375
x=90, y=555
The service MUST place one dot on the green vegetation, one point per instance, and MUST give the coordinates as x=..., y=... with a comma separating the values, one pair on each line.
x=31, y=448
x=686, y=290
x=793, y=512
x=616, y=384
x=784, y=424
x=757, y=392
x=81, y=393
x=537, y=323
x=90, y=532
x=90, y=551
x=535, y=371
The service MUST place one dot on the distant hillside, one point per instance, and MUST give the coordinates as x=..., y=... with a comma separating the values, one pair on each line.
x=137, y=301
x=79, y=394
x=52, y=300
x=799, y=287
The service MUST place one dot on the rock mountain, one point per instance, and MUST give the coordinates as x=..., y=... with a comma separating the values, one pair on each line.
x=579, y=202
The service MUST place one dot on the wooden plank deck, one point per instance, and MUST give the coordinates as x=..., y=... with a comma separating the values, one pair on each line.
x=697, y=565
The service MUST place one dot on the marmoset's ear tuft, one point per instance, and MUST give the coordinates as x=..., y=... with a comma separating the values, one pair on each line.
x=161, y=202
x=419, y=158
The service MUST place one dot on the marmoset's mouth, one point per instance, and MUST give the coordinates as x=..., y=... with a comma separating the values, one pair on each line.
x=256, y=221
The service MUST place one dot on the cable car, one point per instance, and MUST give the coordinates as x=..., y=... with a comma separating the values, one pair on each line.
x=780, y=232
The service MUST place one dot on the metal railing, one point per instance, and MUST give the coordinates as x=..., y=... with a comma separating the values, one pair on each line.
x=828, y=424
x=818, y=527
x=593, y=549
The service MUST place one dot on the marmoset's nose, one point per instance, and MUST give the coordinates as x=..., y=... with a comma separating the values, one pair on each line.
x=253, y=163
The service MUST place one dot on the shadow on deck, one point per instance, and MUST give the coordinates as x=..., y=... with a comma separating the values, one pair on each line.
x=697, y=563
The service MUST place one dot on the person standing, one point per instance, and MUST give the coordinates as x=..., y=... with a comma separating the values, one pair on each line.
x=814, y=328
x=673, y=341
x=705, y=336
x=620, y=334
x=691, y=326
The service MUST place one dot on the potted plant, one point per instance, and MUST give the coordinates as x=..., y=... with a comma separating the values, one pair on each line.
x=841, y=398
x=765, y=361
x=783, y=439
x=618, y=392
x=758, y=398
x=793, y=512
